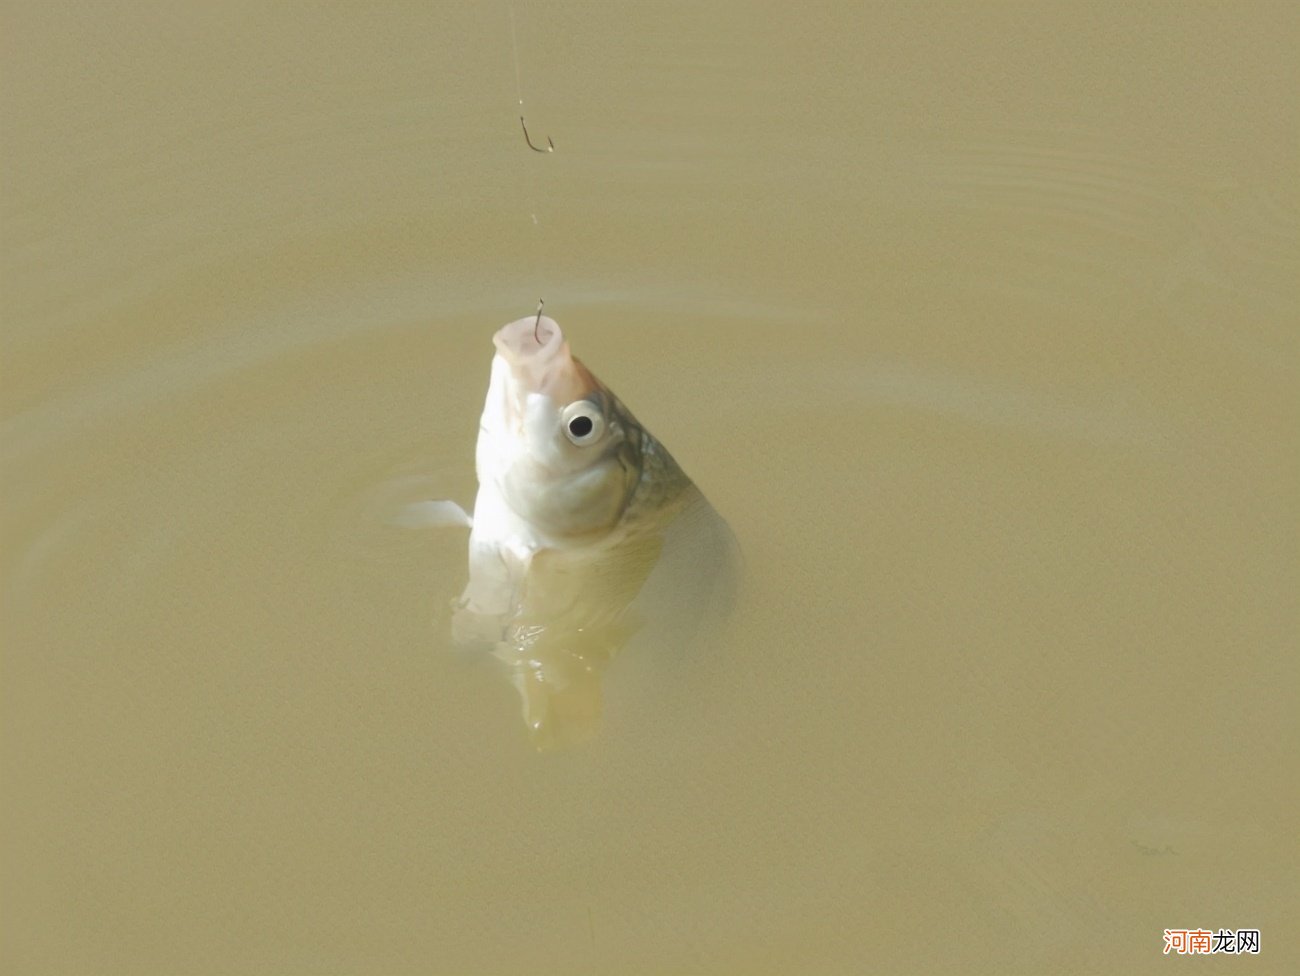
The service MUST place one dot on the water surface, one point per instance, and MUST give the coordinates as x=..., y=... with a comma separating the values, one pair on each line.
x=978, y=327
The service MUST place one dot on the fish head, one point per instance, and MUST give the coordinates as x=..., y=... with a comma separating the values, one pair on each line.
x=554, y=443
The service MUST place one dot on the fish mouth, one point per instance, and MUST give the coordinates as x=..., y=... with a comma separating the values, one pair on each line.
x=539, y=359
x=532, y=341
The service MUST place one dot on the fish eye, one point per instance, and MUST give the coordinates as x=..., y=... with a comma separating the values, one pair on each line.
x=583, y=422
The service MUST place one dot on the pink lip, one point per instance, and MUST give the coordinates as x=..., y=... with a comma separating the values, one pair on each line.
x=529, y=340
x=540, y=361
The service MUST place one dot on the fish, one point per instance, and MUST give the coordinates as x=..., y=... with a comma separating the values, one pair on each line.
x=585, y=529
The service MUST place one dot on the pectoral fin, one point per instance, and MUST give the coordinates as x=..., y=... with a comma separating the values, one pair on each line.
x=433, y=515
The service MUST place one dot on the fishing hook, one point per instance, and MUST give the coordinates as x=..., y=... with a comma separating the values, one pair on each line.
x=550, y=146
x=540, y=302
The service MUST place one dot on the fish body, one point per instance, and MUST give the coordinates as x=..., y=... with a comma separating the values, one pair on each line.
x=576, y=505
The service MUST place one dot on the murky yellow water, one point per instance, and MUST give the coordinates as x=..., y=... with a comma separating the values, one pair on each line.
x=980, y=327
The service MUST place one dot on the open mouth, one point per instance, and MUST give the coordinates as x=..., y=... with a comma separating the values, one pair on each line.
x=539, y=360
x=534, y=340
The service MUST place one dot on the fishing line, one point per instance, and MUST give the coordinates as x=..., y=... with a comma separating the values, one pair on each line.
x=550, y=147
x=519, y=95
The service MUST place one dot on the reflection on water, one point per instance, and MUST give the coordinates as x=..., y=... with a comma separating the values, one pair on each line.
x=978, y=324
